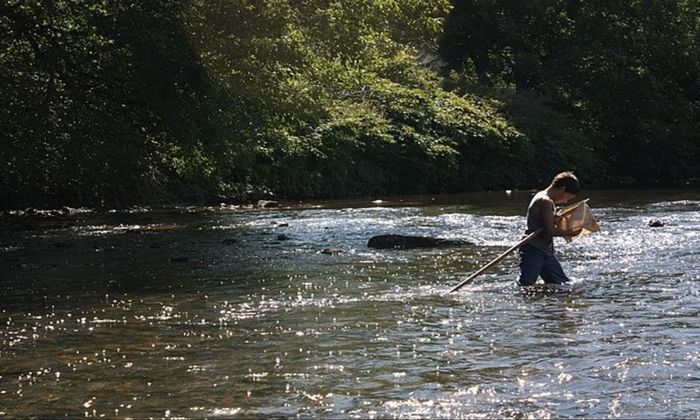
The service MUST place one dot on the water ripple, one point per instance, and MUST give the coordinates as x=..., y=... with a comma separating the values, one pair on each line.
x=210, y=314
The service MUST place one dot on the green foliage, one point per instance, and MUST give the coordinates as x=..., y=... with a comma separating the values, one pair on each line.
x=105, y=103
x=112, y=103
x=396, y=140
x=627, y=71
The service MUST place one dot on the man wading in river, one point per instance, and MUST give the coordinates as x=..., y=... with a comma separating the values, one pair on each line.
x=537, y=256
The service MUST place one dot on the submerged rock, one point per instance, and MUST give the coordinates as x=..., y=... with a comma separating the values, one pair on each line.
x=332, y=251
x=407, y=242
x=656, y=223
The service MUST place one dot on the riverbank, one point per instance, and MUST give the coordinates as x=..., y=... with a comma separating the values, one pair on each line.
x=270, y=202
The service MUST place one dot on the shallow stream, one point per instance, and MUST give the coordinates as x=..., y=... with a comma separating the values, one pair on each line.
x=209, y=312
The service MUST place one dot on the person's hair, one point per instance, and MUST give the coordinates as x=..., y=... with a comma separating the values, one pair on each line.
x=567, y=180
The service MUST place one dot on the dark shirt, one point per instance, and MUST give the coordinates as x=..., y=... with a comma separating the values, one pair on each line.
x=543, y=241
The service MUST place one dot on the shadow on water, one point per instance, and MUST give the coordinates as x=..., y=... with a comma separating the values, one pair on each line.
x=239, y=313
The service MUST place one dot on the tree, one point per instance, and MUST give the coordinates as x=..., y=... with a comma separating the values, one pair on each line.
x=624, y=70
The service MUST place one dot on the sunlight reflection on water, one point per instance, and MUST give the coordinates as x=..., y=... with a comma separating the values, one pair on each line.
x=211, y=314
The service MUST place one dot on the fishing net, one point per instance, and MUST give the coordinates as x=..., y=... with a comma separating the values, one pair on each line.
x=580, y=217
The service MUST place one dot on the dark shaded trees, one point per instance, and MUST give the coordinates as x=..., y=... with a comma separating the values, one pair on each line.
x=627, y=71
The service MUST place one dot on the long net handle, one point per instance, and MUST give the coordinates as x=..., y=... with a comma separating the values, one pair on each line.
x=496, y=260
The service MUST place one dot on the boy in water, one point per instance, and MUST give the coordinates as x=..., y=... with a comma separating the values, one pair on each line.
x=537, y=256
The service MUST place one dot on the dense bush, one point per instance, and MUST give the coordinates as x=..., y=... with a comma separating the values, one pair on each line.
x=115, y=103
x=626, y=72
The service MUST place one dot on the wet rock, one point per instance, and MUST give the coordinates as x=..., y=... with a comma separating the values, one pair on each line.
x=266, y=204
x=656, y=223
x=225, y=206
x=31, y=211
x=283, y=238
x=408, y=242
x=283, y=224
x=332, y=251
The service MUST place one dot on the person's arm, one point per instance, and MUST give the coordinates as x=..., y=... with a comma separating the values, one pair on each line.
x=549, y=220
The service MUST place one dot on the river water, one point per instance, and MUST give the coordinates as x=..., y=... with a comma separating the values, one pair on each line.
x=206, y=312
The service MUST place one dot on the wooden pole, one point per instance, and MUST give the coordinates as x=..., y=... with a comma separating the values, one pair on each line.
x=525, y=240
x=496, y=260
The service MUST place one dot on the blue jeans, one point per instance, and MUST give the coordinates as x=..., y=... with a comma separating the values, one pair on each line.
x=534, y=262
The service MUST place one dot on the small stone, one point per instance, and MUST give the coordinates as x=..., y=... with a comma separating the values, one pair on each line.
x=656, y=223
x=268, y=204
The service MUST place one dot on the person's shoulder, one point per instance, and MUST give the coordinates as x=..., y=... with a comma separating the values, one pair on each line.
x=542, y=196
x=541, y=199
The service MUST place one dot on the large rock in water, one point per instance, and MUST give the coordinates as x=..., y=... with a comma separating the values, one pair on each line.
x=406, y=242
